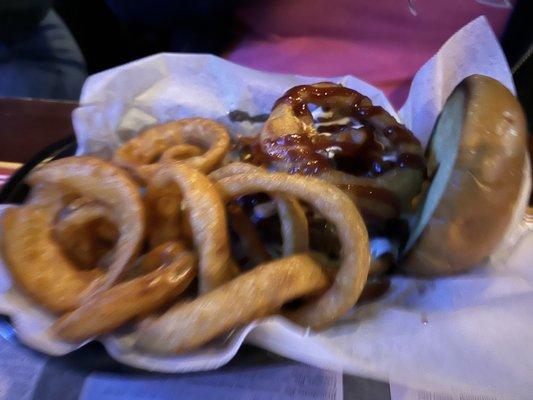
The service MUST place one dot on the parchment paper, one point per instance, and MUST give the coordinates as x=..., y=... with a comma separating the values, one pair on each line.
x=470, y=333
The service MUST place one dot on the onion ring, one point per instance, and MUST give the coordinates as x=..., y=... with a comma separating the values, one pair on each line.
x=294, y=227
x=180, y=152
x=189, y=325
x=86, y=232
x=205, y=212
x=234, y=168
x=336, y=207
x=82, y=227
x=291, y=116
x=37, y=263
x=141, y=154
x=113, y=308
x=374, y=147
x=162, y=255
x=163, y=209
x=98, y=180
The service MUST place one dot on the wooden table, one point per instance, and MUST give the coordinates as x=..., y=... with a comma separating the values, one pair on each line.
x=29, y=125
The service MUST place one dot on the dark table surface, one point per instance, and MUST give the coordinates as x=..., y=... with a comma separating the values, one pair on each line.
x=26, y=127
x=29, y=125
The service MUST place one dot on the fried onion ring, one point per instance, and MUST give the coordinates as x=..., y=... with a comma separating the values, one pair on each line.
x=254, y=294
x=162, y=255
x=37, y=263
x=163, y=209
x=180, y=152
x=113, y=308
x=205, y=212
x=177, y=140
x=103, y=182
x=294, y=227
x=86, y=232
x=79, y=225
x=336, y=207
x=291, y=123
x=84, y=228
x=234, y=168
x=372, y=147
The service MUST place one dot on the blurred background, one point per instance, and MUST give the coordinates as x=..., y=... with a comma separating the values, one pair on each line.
x=48, y=48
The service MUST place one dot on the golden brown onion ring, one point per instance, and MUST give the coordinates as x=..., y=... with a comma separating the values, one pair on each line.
x=113, y=308
x=205, y=212
x=141, y=154
x=291, y=116
x=294, y=227
x=382, y=152
x=85, y=231
x=37, y=263
x=336, y=207
x=234, y=168
x=180, y=152
x=103, y=182
x=254, y=294
x=164, y=216
x=82, y=227
x=162, y=255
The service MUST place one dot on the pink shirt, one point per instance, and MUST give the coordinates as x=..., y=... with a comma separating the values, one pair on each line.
x=379, y=41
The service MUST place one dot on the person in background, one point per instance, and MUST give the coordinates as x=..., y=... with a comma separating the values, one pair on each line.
x=382, y=42
x=39, y=58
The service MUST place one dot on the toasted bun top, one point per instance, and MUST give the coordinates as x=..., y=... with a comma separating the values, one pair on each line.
x=476, y=157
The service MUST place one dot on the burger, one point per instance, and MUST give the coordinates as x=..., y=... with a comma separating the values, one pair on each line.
x=436, y=212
